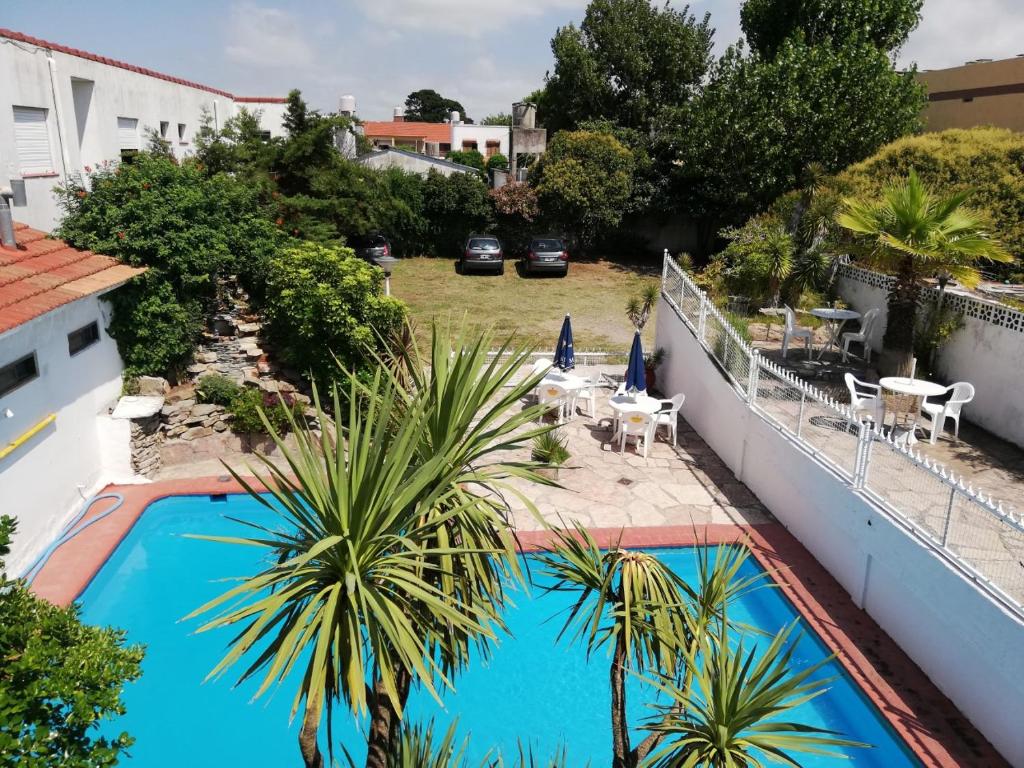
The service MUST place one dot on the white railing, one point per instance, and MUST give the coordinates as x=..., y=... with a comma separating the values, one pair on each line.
x=582, y=358
x=970, y=529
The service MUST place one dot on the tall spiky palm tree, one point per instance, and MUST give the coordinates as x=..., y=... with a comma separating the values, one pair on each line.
x=913, y=235
x=647, y=615
x=392, y=547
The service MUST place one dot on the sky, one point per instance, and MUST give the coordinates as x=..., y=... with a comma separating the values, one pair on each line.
x=485, y=54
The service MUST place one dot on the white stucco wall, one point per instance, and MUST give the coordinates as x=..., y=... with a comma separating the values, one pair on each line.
x=84, y=98
x=968, y=644
x=988, y=355
x=45, y=480
x=481, y=134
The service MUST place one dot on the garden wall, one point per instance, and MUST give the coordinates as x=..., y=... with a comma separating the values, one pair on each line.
x=988, y=351
x=964, y=641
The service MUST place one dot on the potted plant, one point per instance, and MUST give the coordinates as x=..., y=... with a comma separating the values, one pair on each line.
x=549, y=449
x=651, y=362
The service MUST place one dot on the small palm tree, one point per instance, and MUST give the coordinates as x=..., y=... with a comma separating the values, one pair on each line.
x=730, y=711
x=913, y=235
x=392, y=549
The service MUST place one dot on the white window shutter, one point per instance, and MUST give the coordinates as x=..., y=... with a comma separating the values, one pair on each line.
x=32, y=139
x=127, y=133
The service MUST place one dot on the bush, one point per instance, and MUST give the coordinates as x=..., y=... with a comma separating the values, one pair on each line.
x=327, y=307
x=156, y=333
x=549, y=448
x=470, y=157
x=515, y=212
x=60, y=680
x=497, y=162
x=454, y=206
x=216, y=390
x=245, y=409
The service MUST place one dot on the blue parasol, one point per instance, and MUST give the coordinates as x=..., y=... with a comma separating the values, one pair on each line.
x=636, y=376
x=565, y=357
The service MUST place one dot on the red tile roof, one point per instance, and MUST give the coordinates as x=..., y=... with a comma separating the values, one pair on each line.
x=261, y=99
x=384, y=129
x=12, y=35
x=42, y=274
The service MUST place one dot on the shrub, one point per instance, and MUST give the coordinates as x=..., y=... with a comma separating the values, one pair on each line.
x=216, y=390
x=516, y=210
x=549, y=448
x=60, y=680
x=470, y=157
x=497, y=162
x=327, y=307
x=454, y=206
x=245, y=409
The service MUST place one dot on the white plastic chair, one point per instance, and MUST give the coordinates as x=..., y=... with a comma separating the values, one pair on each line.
x=961, y=393
x=865, y=405
x=670, y=417
x=861, y=336
x=540, y=366
x=794, y=331
x=588, y=394
x=640, y=427
x=554, y=396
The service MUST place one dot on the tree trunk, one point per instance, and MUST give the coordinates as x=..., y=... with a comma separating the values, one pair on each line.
x=620, y=728
x=308, y=736
x=385, y=720
x=899, y=330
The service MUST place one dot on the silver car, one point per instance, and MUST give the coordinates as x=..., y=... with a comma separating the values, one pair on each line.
x=547, y=254
x=482, y=252
x=371, y=247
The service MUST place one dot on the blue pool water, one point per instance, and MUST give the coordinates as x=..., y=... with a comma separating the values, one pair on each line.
x=534, y=689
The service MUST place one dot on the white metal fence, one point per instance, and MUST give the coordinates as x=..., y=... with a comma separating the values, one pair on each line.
x=974, y=532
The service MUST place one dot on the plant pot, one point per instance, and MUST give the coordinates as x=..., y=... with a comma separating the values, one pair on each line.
x=650, y=377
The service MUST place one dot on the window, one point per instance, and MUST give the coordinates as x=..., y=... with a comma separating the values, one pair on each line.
x=265, y=135
x=444, y=148
x=493, y=147
x=181, y=133
x=468, y=144
x=164, y=126
x=21, y=371
x=32, y=139
x=127, y=134
x=84, y=337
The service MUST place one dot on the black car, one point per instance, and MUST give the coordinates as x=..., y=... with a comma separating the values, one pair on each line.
x=547, y=254
x=370, y=247
x=482, y=252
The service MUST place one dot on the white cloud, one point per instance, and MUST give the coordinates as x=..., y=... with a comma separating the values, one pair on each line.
x=267, y=38
x=469, y=18
x=955, y=31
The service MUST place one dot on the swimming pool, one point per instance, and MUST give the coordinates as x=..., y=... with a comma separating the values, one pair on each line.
x=533, y=689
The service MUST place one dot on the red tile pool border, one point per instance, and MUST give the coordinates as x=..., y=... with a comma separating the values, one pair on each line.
x=923, y=717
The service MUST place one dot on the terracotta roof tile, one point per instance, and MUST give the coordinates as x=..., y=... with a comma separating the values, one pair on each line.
x=439, y=132
x=42, y=274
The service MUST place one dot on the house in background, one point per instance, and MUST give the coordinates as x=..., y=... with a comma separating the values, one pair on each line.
x=413, y=162
x=60, y=373
x=63, y=111
x=437, y=139
x=981, y=92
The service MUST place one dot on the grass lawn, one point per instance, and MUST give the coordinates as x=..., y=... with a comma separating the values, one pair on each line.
x=594, y=293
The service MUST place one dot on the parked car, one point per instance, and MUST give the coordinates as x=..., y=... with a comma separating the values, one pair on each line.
x=547, y=254
x=482, y=252
x=370, y=247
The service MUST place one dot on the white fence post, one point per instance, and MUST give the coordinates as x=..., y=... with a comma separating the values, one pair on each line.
x=863, y=456
x=753, y=377
x=702, y=318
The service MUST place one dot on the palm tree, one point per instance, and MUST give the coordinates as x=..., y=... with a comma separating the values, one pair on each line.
x=649, y=616
x=913, y=235
x=392, y=547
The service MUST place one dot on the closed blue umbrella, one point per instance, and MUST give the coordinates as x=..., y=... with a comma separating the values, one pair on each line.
x=636, y=375
x=565, y=357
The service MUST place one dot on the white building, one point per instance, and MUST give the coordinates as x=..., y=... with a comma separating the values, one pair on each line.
x=59, y=374
x=63, y=111
x=412, y=162
x=437, y=139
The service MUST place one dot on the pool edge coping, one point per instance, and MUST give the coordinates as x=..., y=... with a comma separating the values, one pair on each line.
x=813, y=592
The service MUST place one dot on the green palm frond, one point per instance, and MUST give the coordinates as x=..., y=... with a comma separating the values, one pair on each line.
x=733, y=711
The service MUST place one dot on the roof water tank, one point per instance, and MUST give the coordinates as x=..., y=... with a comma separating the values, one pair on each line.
x=455, y=117
x=347, y=104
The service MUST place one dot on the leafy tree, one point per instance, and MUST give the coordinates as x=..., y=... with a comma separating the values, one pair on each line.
x=497, y=162
x=885, y=24
x=187, y=228
x=759, y=257
x=428, y=106
x=515, y=211
x=239, y=147
x=453, y=207
x=913, y=234
x=470, y=157
x=60, y=680
x=499, y=118
x=584, y=182
x=758, y=124
x=392, y=555
x=325, y=307
x=626, y=62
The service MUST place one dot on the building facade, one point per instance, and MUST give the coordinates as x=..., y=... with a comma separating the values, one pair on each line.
x=64, y=111
x=977, y=93
x=437, y=139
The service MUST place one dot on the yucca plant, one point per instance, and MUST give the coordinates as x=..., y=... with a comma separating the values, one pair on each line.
x=392, y=547
x=913, y=235
x=730, y=712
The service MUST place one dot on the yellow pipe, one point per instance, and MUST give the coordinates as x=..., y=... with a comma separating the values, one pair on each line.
x=20, y=441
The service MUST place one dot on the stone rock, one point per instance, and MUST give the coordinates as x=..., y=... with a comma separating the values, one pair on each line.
x=197, y=368
x=206, y=357
x=284, y=386
x=249, y=329
x=220, y=426
x=153, y=385
x=195, y=432
x=204, y=409
x=173, y=409
x=264, y=367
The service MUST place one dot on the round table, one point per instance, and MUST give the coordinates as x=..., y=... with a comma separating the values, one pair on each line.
x=569, y=382
x=915, y=390
x=835, y=319
x=626, y=404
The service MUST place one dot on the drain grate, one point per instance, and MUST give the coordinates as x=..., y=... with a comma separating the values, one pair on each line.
x=625, y=481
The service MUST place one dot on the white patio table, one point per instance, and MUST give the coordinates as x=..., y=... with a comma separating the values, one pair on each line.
x=570, y=382
x=909, y=405
x=626, y=404
x=835, y=319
